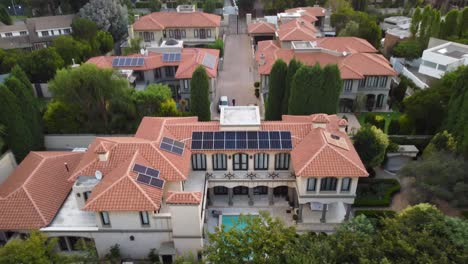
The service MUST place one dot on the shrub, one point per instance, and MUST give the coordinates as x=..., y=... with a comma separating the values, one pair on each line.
x=256, y=84
x=376, y=213
x=376, y=192
x=393, y=127
x=406, y=126
x=375, y=120
x=219, y=45
x=142, y=4
x=153, y=256
x=420, y=143
x=257, y=92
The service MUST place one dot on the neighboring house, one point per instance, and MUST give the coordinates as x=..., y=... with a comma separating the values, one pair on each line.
x=312, y=14
x=174, y=180
x=362, y=70
x=392, y=37
x=35, y=33
x=261, y=30
x=446, y=57
x=187, y=24
x=170, y=64
x=400, y=22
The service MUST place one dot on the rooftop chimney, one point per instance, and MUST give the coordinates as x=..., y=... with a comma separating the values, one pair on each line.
x=66, y=166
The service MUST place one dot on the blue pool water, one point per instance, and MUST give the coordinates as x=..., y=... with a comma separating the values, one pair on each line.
x=230, y=221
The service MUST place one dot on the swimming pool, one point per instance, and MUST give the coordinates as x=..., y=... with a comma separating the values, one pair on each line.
x=230, y=221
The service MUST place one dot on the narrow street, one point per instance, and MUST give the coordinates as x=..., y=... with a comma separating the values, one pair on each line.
x=236, y=79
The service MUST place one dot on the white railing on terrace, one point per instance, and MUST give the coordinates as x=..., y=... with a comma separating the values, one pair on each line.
x=401, y=69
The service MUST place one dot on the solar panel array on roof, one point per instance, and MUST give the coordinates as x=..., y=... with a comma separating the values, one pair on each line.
x=127, y=62
x=172, y=146
x=241, y=140
x=147, y=175
x=209, y=61
x=171, y=57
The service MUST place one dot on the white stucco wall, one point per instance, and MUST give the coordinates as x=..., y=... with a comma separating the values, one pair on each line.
x=7, y=165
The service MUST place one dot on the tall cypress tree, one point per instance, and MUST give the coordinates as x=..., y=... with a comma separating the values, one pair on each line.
x=20, y=86
x=199, y=94
x=293, y=66
x=450, y=26
x=332, y=86
x=298, y=100
x=276, y=90
x=415, y=22
x=18, y=136
x=315, y=93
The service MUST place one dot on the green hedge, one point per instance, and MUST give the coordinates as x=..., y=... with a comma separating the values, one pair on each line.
x=465, y=214
x=142, y=5
x=376, y=213
x=375, y=192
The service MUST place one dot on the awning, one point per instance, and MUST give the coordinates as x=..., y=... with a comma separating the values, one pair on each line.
x=167, y=248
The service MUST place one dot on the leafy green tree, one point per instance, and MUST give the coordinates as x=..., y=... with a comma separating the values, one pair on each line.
x=84, y=29
x=37, y=248
x=399, y=92
x=209, y=6
x=360, y=5
x=219, y=45
x=442, y=141
x=314, y=91
x=463, y=21
x=4, y=16
x=134, y=46
x=245, y=5
x=70, y=49
x=457, y=115
x=104, y=41
x=371, y=143
x=439, y=175
x=351, y=29
x=149, y=101
x=199, y=94
x=409, y=50
x=425, y=111
x=94, y=91
x=155, y=5
x=263, y=240
x=22, y=89
x=450, y=26
x=62, y=118
x=331, y=89
x=41, y=65
x=293, y=66
x=298, y=100
x=435, y=26
x=394, y=127
x=415, y=20
x=277, y=85
x=109, y=15
x=18, y=135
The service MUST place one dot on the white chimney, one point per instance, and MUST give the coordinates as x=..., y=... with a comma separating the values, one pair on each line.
x=262, y=59
x=137, y=17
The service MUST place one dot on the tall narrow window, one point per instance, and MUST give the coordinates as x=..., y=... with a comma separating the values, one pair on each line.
x=144, y=218
x=198, y=161
x=208, y=33
x=220, y=190
x=328, y=184
x=219, y=161
x=86, y=195
x=240, y=161
x=282, y=161
x=261, y=161
x=311, y=182
x=105, y=218
x=195, y=33
x=348, y=85
x=345, y=184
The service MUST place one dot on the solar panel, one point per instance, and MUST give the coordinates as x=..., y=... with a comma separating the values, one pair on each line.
x=171, y=57
x=152, y=172
x=121, y=62
x=209, y=61
x=139, y=168
x=219, y=140
x=144, y=178
x=134, y=61
x=172, y=146
x=115, y=62
x=157, y=183
x=128, y=62
x=140, y=61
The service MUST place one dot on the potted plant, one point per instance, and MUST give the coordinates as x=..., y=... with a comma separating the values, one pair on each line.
x=257, y=89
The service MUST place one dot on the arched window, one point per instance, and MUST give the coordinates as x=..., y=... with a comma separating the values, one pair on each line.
x=282, y=161
x=198, y=161
x=261, y=161
x=328, y=184
x=219, y=161
x=345, y=184
x=380, y=100
x=240, y=161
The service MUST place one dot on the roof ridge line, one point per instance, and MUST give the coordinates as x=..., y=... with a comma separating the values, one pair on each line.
x=311, y=158
x=35, y=207
x=110, y=186
x=352, y=162
x=169, y=161
x=141, y=190
x=23, y=186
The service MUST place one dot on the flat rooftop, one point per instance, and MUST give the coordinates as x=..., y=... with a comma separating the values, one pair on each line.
x=454, y=50
x=240, y=116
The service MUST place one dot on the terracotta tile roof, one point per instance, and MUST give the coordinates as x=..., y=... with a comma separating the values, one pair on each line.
x=316, y=11
x=31, y=196
x=191, y=58
x=343, y=122
x=119, y=190
x=163, y=20
x=346, y=44
x=297, y=29
x=321, y=118
x=261, y=28
x=352, y=66
x=184, y=198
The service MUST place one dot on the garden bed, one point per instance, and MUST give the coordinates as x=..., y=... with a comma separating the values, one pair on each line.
x=376, y=192
x=387, y=115
x=377, y=214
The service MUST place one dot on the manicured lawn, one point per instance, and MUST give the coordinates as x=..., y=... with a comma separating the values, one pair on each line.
x=375, y=192
x=387, y=115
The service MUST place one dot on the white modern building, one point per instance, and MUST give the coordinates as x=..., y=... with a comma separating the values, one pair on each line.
x=446, y=57
x=176, y=179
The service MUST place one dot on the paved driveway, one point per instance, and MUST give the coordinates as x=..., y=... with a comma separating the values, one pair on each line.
x=236, y=80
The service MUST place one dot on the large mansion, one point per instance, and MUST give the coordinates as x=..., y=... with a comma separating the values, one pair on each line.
x=175, y=179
